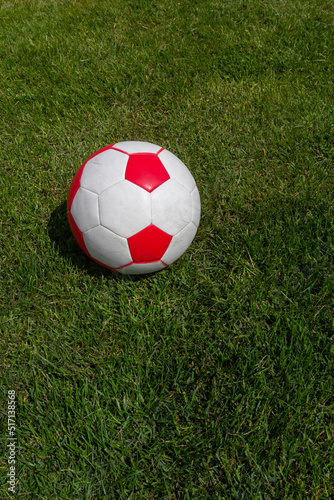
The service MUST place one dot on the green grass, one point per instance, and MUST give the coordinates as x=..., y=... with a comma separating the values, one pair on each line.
x=214, y=378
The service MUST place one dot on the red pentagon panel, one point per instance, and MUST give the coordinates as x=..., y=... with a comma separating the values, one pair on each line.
x=149, y=244
x=146, y=170
x=75, y=184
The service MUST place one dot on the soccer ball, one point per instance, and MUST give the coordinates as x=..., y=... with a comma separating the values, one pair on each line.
x=133, y=207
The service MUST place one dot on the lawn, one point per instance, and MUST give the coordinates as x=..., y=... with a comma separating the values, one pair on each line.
x=212, y=379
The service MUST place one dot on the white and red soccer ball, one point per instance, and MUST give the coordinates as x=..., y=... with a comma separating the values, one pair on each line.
x=133, y=207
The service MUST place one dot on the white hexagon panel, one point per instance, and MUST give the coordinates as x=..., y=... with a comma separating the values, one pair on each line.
x=85, y=209
x=171, y=207
x=107, y=247
x=98, y=176
x=134, y=207
x=125, y=208
x=133, y=147
x=179, y=243
x=177, y=169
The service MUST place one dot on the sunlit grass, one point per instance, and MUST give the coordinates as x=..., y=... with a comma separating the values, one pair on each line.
x=213, y=378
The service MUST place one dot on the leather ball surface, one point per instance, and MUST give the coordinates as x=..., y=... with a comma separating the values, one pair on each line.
x=133, y=207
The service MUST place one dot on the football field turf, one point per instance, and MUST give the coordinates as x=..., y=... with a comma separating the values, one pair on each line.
x=212, y=379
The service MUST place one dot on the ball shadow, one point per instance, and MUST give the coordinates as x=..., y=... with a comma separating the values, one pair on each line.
x=60, y=233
